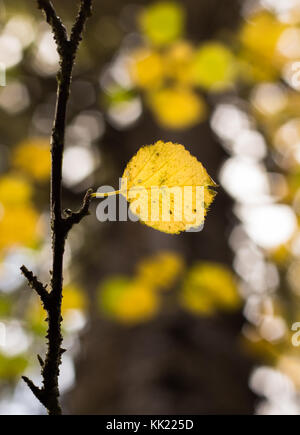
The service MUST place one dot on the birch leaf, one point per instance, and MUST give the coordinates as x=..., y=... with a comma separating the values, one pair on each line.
x=167, y=188
x=208, y=287
x=162, y=22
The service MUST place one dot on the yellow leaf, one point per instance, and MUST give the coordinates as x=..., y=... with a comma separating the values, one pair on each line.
x=214, y=67
x=139, y=303
x=197, y=304
x=14, y=190
x=178, y=62
x=18, y=226
x=260, y=36
x=253, y=71
x=73, y=298
x=209, y=286
x=161, y=270
x=32, y=156
x=177, y=107
x=167, y=188
x=128, y=301
x=162, y=22
x=146, y=68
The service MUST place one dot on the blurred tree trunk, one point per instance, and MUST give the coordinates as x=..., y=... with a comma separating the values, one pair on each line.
x=176, y=363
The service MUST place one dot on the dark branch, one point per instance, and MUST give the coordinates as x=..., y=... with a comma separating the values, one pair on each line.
x=60, y=226
x=36, y=390
x=76, y=217
x=85, y=11
x=36, y=285
x=40, y=360
x=58, y=29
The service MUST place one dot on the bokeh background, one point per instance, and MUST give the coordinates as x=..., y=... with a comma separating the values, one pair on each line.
x=155, y=323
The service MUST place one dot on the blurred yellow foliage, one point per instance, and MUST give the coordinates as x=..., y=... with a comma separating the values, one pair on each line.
x=252, y=70
x=280, y=255
x=146, y=68
x=177, y=107
x=178, y=62
x=258, y=347
x=11, y=367
x=161, y=270
x=73, y=299
x=18, y=226
x=139, y=303
x=14, y=190
x=18, y=217
x=126, y=300
x=208, y=287
x=32, y=156
x=260, y=36
x=6, y=303
x=170, y=68
x=214, y=66
x=162, y=22
x=290, y=366
x=36, y=317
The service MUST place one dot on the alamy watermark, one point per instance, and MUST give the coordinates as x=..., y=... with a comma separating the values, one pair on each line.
x=153, y=204
x=296, y=337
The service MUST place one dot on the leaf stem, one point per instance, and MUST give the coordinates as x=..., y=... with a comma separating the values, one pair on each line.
x=105, y=194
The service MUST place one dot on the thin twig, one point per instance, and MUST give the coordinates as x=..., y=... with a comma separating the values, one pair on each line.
x=36, y=285
x=73, y=218
x=84, y=12
x=39, y=394
x=48, y=394
x=58, y=29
